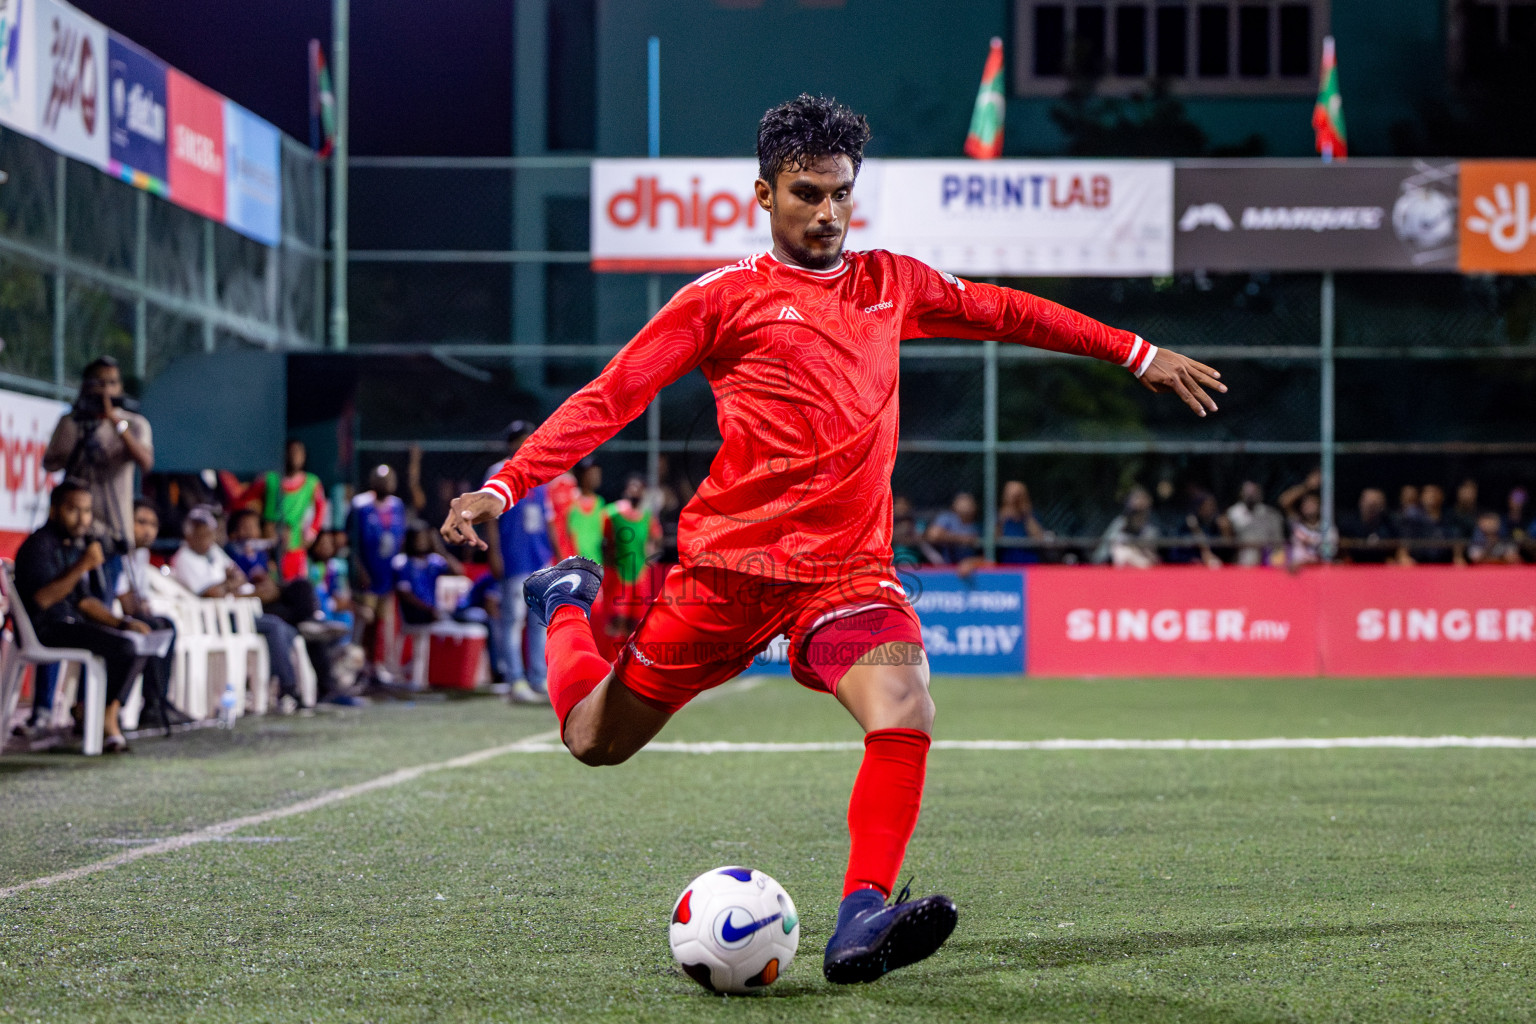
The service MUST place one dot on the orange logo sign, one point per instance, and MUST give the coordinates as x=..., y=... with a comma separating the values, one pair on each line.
x=1498, y=216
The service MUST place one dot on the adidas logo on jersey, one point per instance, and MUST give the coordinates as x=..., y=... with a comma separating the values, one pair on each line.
x=789, y=313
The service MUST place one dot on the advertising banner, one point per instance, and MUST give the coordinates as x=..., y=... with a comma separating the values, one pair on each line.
x=252, y=175
x=18, y=65
x=1429, y=621
x=1359, y=215
x=1171, y=622
x=971, y=626
x=1498, y=217
x=26, y=424
x=688, y=216
x=137, y=131
x=195, y=163
x=72, y=83
x=1101, y=218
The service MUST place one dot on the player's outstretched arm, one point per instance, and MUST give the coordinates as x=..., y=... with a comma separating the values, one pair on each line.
x=1184, y=377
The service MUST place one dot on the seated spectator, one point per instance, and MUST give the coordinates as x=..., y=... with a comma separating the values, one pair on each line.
x=416, y=572
x=1258, y=528
x=1202, y=523
x=1367, y=538
x=1409, y=510
x=134, y=595
x=1016, y=521
x=328, y=575
x=1465, y=512
x=1514, y=516
x=294, y=601
x=955, y=534
x=59, y=580
x=1130, y=541
x=1491, y=545
x=1308, y=545
x=204, y=568
x=908, y=548
x=1428, y=525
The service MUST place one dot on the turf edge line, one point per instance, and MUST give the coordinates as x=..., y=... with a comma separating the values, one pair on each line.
x=224, y=828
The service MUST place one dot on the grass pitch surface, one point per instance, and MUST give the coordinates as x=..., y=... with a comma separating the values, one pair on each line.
x=1361, y=885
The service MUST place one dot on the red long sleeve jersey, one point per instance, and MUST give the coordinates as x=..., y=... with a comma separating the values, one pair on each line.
x=804, y=367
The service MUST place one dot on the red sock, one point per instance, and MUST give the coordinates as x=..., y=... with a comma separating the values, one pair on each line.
x=883, y=809
x=575, y=667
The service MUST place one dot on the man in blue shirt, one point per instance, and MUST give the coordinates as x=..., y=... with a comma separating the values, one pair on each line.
x=375, y=535
x=519, y=545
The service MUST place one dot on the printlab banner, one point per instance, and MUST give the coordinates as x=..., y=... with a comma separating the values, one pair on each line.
x=26, y=424
x=1102, y=218
x=971, y=626
x=1359, y=215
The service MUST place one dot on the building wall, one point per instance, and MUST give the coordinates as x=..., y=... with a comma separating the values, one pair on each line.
x=913, y=67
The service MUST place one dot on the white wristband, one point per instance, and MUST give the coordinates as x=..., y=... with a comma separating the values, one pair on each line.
x=1146, y=360
x=499, y=490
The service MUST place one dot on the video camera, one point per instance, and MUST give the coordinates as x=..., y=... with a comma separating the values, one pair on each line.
x=92, y=405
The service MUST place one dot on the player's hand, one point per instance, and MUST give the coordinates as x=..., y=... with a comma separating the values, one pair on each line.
x=1184, y=377
x=464, y=512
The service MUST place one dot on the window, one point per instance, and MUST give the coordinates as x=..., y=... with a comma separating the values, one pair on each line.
x=1482, y=30
x=1220, y=47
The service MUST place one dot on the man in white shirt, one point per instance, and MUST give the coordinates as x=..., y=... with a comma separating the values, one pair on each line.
x=202, y=567
x=1259, y=528
x=134, y=595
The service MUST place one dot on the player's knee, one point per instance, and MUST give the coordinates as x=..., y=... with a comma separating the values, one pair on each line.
x=909, y=703
x=594, y=753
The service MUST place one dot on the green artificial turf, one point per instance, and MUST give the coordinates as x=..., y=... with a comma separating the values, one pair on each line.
x=1306, y=885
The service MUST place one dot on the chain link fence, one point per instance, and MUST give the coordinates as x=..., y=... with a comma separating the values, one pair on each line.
x=91, y=266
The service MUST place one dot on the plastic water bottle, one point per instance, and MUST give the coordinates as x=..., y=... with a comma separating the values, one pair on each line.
x=227, y=707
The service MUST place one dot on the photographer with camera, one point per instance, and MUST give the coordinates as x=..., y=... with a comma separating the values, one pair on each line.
x=99, y=443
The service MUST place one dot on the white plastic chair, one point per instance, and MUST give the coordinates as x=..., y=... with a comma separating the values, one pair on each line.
x=30, y=651
x=189, y=668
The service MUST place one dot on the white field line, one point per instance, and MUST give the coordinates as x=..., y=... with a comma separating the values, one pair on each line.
x=540, y=742
x=214, y=833
x=1274, y=743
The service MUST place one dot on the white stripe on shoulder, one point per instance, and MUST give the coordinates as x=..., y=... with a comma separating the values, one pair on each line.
x=750, y=263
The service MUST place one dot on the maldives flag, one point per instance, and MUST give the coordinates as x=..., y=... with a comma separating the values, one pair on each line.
x=322, y=102
x=1328, y=114
x=985, y=140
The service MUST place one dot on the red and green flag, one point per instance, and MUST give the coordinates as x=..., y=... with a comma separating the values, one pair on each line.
x=322, y=102
x=985, y=140
x=1328, y=114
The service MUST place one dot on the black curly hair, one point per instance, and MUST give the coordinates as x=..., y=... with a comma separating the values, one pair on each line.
x=805, y=128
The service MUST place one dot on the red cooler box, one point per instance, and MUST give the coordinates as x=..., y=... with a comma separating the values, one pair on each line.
x=456, y=653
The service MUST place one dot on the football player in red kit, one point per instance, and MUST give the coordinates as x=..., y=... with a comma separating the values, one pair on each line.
x=791, y=531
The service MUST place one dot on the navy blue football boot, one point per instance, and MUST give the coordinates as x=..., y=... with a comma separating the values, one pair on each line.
x=574, y=580
x=872, y=939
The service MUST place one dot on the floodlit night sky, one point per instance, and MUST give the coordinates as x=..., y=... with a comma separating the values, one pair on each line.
x=437, y=83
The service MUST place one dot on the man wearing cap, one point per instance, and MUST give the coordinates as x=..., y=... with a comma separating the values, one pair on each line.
x=519, y=545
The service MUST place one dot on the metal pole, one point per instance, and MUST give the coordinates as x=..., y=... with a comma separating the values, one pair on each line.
x=653, y=283
x=210, y=287
x=340, y=31
x=1326, y=424
x=59, y=208
x=989, y=453
x=141, y=271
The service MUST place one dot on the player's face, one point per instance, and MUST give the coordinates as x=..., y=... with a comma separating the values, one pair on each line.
x=809, y=209
x=146, y=527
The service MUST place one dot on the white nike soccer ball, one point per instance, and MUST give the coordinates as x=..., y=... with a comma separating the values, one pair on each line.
x=734, y=930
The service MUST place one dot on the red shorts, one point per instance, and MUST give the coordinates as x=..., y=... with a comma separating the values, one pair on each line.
x=707, y=625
